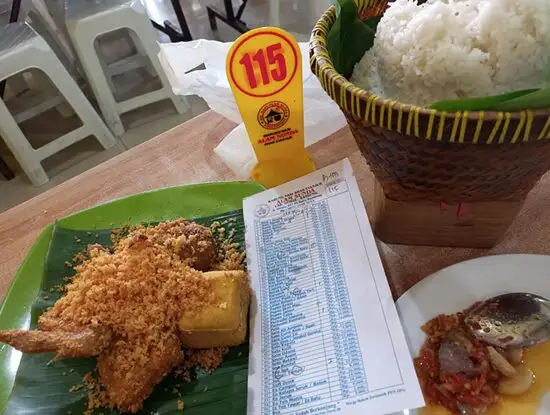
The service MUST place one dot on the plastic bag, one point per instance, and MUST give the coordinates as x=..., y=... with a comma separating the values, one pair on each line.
x=322, y=117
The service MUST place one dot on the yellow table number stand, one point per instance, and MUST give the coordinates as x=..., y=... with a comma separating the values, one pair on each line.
x=264, y=68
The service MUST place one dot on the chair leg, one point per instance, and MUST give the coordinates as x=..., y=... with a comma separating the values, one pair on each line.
x=274, y=13
x=85, y=49
x=40, y=15
x=5, y=170
x=76, y=99
x=152, y=49
x=21, y=148
x=212, y=19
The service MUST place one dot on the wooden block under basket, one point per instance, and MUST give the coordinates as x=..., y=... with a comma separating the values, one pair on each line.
x=472, y=225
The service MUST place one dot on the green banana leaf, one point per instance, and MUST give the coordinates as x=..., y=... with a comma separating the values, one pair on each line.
x=349, y=37
x=42, y=386
x=535, y=100
x=479, y=104
x=528, y=99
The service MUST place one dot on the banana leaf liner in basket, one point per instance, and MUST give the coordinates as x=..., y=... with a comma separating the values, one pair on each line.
x=419, y=153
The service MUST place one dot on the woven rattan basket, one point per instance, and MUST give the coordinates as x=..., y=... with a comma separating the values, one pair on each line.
x=422, y=154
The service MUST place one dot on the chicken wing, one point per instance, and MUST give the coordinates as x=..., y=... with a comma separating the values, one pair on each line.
x=86, y=343
x=130, y=371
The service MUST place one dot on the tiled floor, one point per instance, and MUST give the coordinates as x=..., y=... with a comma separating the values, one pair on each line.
x=297, y=16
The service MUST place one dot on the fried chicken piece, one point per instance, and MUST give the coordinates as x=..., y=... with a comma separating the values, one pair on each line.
x=136, y=292
x=47, y=322
x=95, y=250
x=129, y=371
x=197, y=245
x=86, y=343
x=193, y=243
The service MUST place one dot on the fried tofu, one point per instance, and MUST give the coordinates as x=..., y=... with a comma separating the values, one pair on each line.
x=223, y=323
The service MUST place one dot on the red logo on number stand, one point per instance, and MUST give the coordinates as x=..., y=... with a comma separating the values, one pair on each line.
x=273, y=115
x=290, y=78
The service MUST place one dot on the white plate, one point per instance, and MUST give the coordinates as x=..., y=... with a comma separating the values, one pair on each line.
x=457, y=287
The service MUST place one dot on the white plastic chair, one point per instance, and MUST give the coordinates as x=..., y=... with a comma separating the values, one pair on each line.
x=21, y=49
x=86, y=20
x=47, y=18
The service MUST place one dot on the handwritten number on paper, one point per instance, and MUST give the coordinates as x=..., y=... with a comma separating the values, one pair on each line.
x=333, y=189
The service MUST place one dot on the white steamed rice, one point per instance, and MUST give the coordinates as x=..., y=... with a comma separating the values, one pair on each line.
x=457, y=49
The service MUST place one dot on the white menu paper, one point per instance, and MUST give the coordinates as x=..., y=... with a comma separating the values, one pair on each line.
x=325, y=336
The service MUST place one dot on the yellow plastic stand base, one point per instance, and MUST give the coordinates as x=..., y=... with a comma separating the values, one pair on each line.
x=275, y=172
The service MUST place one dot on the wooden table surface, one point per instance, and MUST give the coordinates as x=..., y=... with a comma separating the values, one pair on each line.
x=185, y=155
